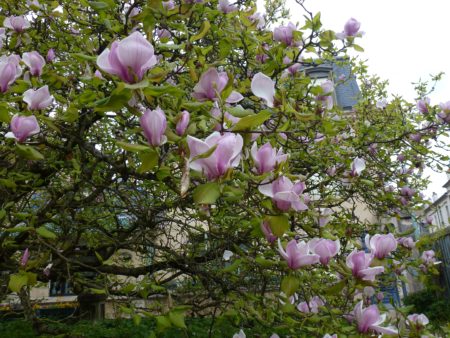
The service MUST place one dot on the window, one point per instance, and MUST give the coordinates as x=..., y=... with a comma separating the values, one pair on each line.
x=60, y=287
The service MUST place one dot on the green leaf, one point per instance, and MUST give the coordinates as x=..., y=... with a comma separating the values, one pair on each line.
x=251, y=121
x=162, y=323
x=99, y=5
x=207, y=193
x=138, y=85
x=132, y=147
x=336, y=288
x=177, y=319
x=204, y=28
x=279, y=224
x=233, y=266
x=358, y=48
x=149, y=160
x=137, y=320
x=118, y=99
x=84, y=57
x=17, y=281
x=44, y=232
x=289, y=285
x=28, y=152
x=31, y=278
x=156, y=91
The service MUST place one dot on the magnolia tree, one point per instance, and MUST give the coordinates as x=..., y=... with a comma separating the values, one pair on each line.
x=192, y=135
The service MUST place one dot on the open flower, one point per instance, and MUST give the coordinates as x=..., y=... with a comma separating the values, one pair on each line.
x=285, y=34
x=422, y=105
x=359, y=262
x=9, y=71
x=38, y=99
x=418, y=320
x=266, y=157
x=297, y=255
x=284, y=193
x=428, y=257
x=129, y=59
x=326, y=98
x=381, y=245
x=34, y=61
x=225, y=7
x=226, y=155
x=211, y=84
x=325, y=248
x=357, y=166
x=312, y=306
x=369, y=320
x=263, y=87
x=16, y=23
x=154, y=123
x=23, y=127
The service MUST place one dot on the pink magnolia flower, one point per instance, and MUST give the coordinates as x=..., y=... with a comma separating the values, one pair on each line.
x=9, y=71
x=211, y=84
x=168, y=5
x=38, y=99
x=415, y=137
x=225, y=7
x=326, y=98
x=129, y=59
x=25, y=257
x=154, y=123
x=407, y=242
x=259, y=19
x=359, y=262
x=331, y=171
x=351, y=28
x=444, y=114
x=297, y=255
x=266, y=157
x=23, y=127
x=50, y=55
x=285, y=34
x=2, y=36
x=312, y=306
x=325, y=248
x=267, y=231
x=285, y=194
x=369, y=320
x=34, y=61
x=47, y=269
x=226, y=155
x=418, y=320
x=381, y=245
x=428, y=257
x=422, y=105
x=263, y=87
x=16, y=23
x=381, y=104
x=357, y=166
x=163, y=33
x=182, y=123
x=324, y=216
x=98, y=75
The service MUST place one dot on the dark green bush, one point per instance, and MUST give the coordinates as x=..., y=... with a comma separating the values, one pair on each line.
x=433, y=304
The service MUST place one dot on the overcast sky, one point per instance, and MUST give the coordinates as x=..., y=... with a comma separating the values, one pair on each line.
x=404, y=41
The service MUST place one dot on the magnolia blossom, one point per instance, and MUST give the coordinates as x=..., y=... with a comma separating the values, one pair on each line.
x=297, y=255
x=369, y=320
x=381, y=104
x=325, y=248
x=351, y=28
x=211, y=84
x=168, y=5
x=227, y=254
x=16, y=23
x=285, y=34
x=325, y=216
x=428, y=257
x=9, y=71
x=267, y=231
x=182, y=123
x=163, y=33
x=225, y=7
x=444, y=114
x=418, y=320
x=2, y=36
x=34, y=61
x=38, y=99
x=332, y=336
x=266, y=157
x=98, y=75
x=331, y=171
x=357, y=166
x=263, y=87
x=259, y=18
x=241, y=334
x=359, y=262
x=226, y=155
x=326, y=98
x=407, y=242
x=381, y=245
x=422, y=105
x=23, y=127
x=47, y=269
x=25, y=257
x=312, y=306
x=129, y=59
x=285, y=194
x=154, y=123
x=50, y=55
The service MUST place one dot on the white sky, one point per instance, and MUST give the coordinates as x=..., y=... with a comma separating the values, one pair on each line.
x=404, y=40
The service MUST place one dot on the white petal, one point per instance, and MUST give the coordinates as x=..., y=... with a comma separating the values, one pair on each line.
x=263, y=87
